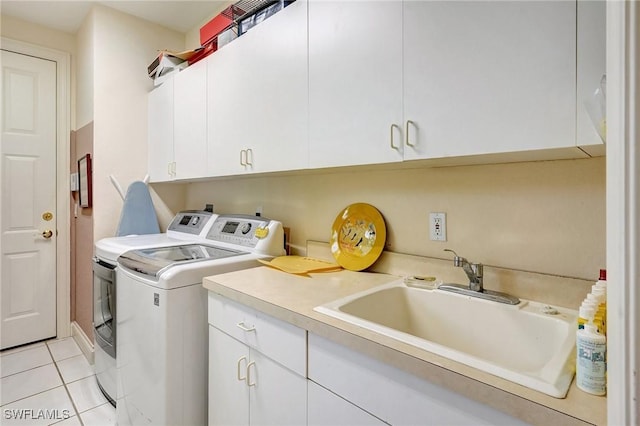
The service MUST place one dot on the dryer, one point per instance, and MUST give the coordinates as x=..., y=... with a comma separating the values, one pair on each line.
x=162, y=318
x=191, y=225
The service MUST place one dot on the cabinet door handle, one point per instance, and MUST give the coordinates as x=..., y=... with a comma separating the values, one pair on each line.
x=393, y=126
x=406, y=132
x=249, y=157
x=243, y=162
x=249, y=383
x=240, y=378
x=242, y=326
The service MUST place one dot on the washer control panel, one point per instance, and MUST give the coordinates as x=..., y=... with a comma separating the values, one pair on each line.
x=240, y=230
x=190, y=221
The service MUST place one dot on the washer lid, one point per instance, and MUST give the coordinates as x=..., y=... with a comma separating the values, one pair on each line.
x=154, y=261
x=108, y=249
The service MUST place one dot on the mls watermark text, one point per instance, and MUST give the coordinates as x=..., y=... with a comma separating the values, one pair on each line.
x=31, y=414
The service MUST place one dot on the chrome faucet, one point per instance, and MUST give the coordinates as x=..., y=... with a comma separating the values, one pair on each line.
x=475, y=287
x=473, y=271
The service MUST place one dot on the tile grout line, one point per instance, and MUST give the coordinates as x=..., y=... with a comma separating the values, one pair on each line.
x=37, y=345
x=73, y=404
x=29, y=396
x=28, y=369
x=18, y=349
x=55, y=363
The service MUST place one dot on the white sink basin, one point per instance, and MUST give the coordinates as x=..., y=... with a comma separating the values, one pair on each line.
x=519, y=343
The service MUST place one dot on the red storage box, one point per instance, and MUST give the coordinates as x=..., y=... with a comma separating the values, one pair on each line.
x=207, y=49
x=214, y=27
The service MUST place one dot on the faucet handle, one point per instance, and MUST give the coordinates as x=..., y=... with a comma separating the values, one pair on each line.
x=478, y=269
x=473, y=270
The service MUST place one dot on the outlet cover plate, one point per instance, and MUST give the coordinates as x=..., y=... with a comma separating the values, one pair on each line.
x=438, y=226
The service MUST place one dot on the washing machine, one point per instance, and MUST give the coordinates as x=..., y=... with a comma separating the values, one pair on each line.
x=162, y=318
x=192, y=225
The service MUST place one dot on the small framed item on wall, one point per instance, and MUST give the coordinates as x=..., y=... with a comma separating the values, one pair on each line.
x=84, y=175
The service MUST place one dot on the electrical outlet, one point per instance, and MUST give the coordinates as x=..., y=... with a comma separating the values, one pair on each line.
x=438, y=226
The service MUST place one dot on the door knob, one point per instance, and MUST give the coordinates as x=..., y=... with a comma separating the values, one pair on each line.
x=47, y=234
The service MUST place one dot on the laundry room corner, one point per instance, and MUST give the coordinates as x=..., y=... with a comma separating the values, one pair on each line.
x=81, y=233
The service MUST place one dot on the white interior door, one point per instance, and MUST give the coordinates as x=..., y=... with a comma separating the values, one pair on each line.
x=28, y=223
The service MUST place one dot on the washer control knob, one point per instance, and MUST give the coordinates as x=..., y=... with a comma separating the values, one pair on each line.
x=246, y=227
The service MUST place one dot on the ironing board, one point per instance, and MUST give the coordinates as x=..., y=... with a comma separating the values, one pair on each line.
x=138, y=216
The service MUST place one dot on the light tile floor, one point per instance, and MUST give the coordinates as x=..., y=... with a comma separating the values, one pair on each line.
x=51, y=383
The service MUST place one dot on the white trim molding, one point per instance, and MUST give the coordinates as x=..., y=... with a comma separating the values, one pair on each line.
x=623, y=211
x=84, y=343
x=63, y=87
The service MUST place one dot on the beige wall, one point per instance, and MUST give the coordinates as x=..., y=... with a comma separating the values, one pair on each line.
x=544, y=217
x=124, y=47
x=85, y=63
x=114, y=50
x=29, y=32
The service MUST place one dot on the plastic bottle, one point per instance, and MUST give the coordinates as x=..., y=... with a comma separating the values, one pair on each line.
x=597, y=300
x=602, y=279
x=600, y=294
x=591, y=360
x=585, y=315
x=600, y=289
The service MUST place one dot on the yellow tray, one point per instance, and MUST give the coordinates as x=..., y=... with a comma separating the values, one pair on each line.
x=300, y=264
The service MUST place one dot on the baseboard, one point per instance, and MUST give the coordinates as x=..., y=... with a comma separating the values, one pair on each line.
x=85, y=344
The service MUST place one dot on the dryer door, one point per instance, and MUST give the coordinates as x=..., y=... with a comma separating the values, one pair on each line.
x=104, y=306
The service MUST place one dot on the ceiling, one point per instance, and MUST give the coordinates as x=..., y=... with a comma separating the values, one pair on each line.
x=67, y=16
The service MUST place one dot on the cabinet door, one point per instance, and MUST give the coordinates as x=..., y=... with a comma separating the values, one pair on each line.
x=396, y=397
x=160, y=132
x=326, y=408
x=592, y=39
x=489, y=77
x=228, y=391
x=258, y=97
x=279, y=340
x=355, y=82
x=278, y=395
x=190, y=128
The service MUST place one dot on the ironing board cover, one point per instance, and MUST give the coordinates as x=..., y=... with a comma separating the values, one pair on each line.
x=138, y=216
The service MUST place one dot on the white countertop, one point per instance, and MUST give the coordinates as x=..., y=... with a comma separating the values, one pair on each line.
x=292, y=298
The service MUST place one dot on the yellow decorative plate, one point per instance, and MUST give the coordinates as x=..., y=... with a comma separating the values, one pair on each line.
x=358, y=236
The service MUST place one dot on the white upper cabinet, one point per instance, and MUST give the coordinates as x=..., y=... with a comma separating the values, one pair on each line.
x=591, y=68
x=177, y=118
x=355, y=82
x=160, y=132
x=326, y=83
x=258, y=98
x=488, y=77
x=190, y=128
